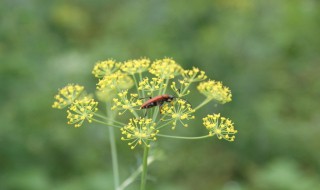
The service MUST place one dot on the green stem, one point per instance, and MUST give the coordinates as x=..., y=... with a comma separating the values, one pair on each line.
x=140, y=76
x=180, y=137
x=109, y=119
x=144, y=168
x=114, y=156
x=202, y=104
x=164, y=125
x=106, y=123
x=134, y=175
x=135, y=113
x=136, y=83
x=155, y=113
x=185, y=89
x=164, y=89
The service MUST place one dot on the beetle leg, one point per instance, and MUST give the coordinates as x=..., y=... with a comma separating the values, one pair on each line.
x=145, y=98
x=160, y=106
x=145, y=114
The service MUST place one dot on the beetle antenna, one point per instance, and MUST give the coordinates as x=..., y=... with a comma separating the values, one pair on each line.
x=185, y=101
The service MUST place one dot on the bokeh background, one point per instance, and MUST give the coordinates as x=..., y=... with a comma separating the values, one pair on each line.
x=267, y=52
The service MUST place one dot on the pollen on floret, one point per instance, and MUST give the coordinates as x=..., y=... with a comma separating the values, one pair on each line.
x=125, y=102
x=220, y=126
x=216, y=91
x=177, y=112
x=139, y=131
x=165, y=68
x=150, y=86
x=115, y=81
x=81, y=110
x=105, y=68
x=182, y=90
x=67, y=95
x=135, y=66
x=193, y=75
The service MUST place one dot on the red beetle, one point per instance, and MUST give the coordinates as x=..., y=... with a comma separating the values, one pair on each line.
x=157, y=101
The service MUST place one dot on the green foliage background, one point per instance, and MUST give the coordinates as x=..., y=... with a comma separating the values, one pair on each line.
x=267, y=52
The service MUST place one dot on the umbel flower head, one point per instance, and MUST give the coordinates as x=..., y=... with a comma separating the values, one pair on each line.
x=123, y=103
x=135, y=66
x=67, y=95
x=178, y=111
x=220, y=126
x=139, y=131
x=215, y=90
x=105, y=68
x=189, y=76
x=115, y=81
x=81, y=110
x=193, y=75
x=165, y=68
x=151, y=86
x=158, y=100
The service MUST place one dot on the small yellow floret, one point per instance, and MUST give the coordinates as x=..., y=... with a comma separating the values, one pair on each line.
x=81, y=110
x=67, y=95
x=135, y=66
x=216, y=91
x=105, y=68
x=220, y=126
x=139, y=131
x=165, y=68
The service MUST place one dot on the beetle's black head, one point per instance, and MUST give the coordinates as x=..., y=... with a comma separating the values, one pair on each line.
x=170, y=98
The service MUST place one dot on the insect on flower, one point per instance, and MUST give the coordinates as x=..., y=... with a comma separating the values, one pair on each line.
x=158, y=101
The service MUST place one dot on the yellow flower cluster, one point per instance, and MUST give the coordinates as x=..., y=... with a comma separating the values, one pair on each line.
x=81, y=110
x=67, y=95
x=220, y=126
x=182, y=90
x=151, y=86
x=139, y=131
x=165, y=68
x=124, y=104
x=167, y=109
x=193, y=75
x=115, y=81
x=216, y=91
x=189, y=76
x=178, y=111
x=105, y=68
x=135, y=66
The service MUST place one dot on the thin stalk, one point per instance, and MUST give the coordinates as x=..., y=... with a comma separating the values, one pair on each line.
x=203, y=103
x=114, y=156
x=155, y=113
x=164, y=89
x=134, y=175
x=164, y=125
x=135, y=113
x=180, y=137
x=185, y=89
x=109, y=119
x=144, y=168
x=140, y=76
x=136, y=83
x=106, y=123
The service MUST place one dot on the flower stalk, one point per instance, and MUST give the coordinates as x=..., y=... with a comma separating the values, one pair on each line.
x=114, y=156
x=144, y=168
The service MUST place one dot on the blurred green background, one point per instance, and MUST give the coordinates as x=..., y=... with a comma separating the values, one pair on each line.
x=267, y=52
